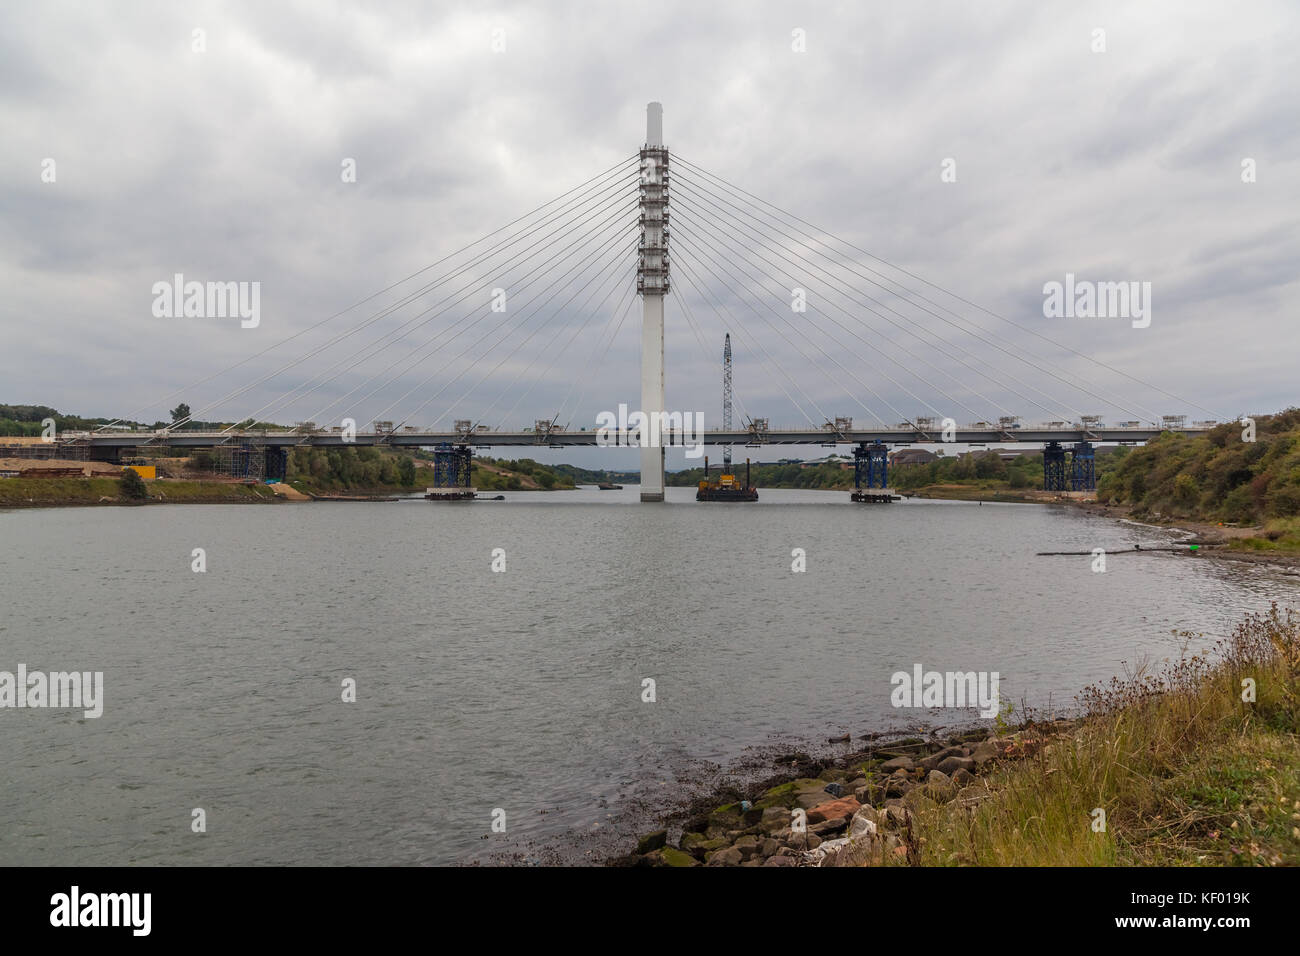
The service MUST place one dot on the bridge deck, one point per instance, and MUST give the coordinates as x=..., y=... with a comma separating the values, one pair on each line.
x=564, y=439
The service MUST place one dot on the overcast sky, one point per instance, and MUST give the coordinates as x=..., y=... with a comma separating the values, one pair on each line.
x=220, y=155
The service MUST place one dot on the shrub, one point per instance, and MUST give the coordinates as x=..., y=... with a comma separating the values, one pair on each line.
x=1284, y=502
x=132, y=486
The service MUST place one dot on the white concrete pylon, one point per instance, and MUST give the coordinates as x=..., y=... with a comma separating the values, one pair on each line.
x=654, y=282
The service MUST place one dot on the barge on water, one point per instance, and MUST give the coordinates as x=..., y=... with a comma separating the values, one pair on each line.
x=874, y=496
x=450, y=494
x=355, y=498
x=727, y=487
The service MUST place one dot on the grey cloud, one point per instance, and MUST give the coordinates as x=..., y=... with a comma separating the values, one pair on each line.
x=225, y=165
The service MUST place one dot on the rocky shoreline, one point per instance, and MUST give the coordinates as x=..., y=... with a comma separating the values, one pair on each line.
x=859, y=808
x=1213, y=540
x=852, y=810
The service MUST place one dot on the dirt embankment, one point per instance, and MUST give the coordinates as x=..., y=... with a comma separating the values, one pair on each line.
x=525, y=483
x=100, y=490
x=88, y=468
x=288, y=492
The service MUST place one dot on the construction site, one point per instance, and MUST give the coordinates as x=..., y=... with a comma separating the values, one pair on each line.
x=38, y=458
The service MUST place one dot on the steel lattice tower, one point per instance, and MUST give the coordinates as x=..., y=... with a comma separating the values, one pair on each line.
x=726, y=400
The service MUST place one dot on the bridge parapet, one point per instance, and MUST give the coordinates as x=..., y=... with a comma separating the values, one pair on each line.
x=757, y=433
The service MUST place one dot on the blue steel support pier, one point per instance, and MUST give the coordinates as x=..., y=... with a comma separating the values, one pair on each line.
x=871, y=473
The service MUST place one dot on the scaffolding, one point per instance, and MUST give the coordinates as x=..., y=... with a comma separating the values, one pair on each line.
x=69, y=451
x=244, y=461
x=452, y=465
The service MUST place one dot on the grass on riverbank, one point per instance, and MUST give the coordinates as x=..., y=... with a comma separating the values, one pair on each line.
x=1280, y=534
x=46, y=492
x=1186, y=772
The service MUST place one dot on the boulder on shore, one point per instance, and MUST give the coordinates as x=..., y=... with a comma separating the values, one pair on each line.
x=673, y=857
x=939, y=786
x=985, y=752
x=831, y=827
x=651, y=842
x=863, y=824
x=843, y=807
x=700, y=844
x=729, y=856
x=950, y=765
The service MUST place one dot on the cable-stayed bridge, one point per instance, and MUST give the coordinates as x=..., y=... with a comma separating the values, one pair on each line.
x=658, y=227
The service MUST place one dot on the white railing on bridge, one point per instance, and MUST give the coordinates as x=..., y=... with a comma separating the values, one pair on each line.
x=830, y=431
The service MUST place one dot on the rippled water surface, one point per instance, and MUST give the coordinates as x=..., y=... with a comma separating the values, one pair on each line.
x=519, y=690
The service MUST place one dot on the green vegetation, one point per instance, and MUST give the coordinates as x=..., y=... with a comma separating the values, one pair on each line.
x=360, y=469
x=366, y=469
x=1219, y=478
x=828, y=475
x=132, y=485
x=585, y=476
x=1282, y=534
x=980, y=474
x=985, y=471
x=25, y=420
x=50, y=492
x=1186, y=771
x=495, y=474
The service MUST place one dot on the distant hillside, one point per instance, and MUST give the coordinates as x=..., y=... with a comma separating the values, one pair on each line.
x=25, y=420
x=825, y=475
x=586, y=476
x=19, y=421
x=389, y=469
x=491, y=474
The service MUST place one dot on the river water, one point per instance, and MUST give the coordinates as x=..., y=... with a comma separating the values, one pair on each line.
x=521, y=690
